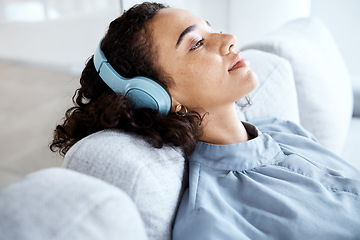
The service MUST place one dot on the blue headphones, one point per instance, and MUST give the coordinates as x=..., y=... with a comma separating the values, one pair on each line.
x=143, y=92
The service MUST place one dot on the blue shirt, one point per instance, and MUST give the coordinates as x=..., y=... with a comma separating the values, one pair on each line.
x=281, y=184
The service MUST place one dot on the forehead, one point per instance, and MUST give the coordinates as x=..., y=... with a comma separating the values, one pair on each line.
x=174, y=16
x=171, y=22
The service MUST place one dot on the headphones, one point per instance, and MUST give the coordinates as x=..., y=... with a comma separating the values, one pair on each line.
x=143, y=92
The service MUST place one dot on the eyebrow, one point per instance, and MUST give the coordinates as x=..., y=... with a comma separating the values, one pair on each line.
x=186, y=31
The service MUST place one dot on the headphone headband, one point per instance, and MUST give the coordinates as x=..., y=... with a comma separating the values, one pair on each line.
x=144, y=92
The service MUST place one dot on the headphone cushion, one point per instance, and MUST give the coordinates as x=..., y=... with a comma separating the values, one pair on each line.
x=141, y=98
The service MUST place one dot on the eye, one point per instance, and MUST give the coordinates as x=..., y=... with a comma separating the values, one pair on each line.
x=197, y=45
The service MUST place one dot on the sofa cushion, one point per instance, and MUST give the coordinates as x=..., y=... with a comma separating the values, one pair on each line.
x=61, y=204
x=322, y=82
x=151, y=177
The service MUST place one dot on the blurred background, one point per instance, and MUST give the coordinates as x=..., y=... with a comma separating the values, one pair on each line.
x=44, y=45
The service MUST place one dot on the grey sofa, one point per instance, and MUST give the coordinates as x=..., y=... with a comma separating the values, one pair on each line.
x=113, y=185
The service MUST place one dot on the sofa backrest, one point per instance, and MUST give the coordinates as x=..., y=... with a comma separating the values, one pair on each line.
x=322, y=82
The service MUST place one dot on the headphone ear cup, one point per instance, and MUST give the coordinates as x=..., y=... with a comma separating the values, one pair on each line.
x=146, y=93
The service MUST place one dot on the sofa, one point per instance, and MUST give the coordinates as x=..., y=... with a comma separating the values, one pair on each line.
x=114, y=185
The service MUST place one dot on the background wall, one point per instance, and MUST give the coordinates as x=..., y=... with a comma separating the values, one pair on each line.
x=66, y=41
x=59, y=34
x=343, y=19
x=249, y=20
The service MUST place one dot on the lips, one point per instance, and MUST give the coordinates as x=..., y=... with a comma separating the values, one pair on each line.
x=239, y=62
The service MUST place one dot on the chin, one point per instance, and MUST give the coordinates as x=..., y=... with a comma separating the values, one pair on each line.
x=252, y=81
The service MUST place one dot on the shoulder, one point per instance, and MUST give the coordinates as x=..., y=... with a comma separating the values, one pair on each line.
x=275, y=126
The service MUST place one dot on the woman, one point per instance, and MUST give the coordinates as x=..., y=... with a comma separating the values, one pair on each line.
x=272, y=181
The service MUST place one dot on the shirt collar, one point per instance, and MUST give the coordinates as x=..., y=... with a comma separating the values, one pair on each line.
x=261, y=149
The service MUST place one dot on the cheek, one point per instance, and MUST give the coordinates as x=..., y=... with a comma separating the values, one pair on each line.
x=188, y=90
x=207, y=69
x=195, y=78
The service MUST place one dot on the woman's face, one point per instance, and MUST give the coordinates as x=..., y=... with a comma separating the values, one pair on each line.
x=207, y=71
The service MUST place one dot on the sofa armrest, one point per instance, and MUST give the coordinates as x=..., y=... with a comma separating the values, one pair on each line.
x=61, y=204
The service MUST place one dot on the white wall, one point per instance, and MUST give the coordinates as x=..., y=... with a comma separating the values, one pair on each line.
x=249, y=20
x=214, y=11
x=343, y=20
x=66, y=43
x=63, y=42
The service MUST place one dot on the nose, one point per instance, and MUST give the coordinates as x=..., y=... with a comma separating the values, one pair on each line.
x=227, y=43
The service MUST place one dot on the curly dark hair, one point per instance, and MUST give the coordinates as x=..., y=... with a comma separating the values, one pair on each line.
x=129, y=49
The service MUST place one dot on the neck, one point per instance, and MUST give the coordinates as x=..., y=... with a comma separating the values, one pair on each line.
x=223, y=127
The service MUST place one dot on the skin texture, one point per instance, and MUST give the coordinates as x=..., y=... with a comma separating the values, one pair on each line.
x=198, y=60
